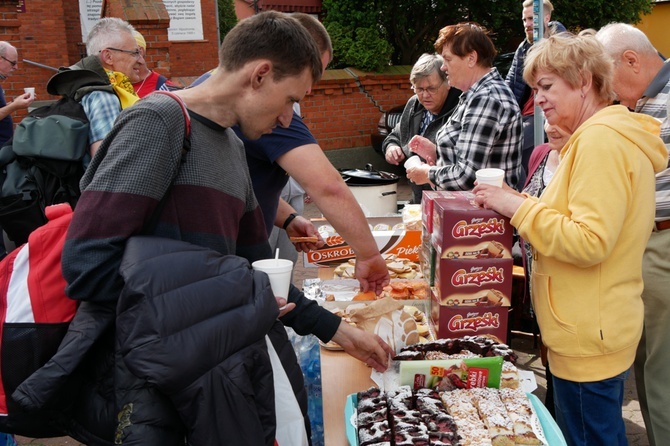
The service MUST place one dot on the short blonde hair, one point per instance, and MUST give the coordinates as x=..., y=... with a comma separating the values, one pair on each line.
x=570, y=57
x=547, y=7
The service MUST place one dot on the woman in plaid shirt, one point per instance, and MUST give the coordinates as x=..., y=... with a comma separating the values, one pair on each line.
x=485, y=130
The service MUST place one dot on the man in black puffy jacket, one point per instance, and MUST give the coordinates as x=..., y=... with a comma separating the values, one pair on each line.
x=191, y=364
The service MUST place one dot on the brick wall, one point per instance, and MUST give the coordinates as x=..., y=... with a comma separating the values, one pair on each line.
x=48, y=32
x=192, y=58
x=39, y=34
x=344, y=108
x=75, y=46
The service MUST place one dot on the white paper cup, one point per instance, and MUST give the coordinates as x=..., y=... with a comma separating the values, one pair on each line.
x=279, y=272
x=412, y=161
x=30, y=90
x=494, y=177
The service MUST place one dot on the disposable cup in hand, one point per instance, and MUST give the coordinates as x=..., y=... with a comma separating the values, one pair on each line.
x=491, y=176
x=30, y=90
x=279, y=272
x=412, y=161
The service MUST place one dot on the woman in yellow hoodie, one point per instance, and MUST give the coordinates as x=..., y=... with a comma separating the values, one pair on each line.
x=588, y=231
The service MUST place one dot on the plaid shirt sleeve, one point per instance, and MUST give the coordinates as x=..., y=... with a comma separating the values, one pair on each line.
x=484, y=131
x=102, y=109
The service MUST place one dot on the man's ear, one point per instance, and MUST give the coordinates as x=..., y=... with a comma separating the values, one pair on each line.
x=261, y=73
x=631, y=60
x=106, y=57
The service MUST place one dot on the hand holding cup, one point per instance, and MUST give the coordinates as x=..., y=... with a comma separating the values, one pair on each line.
x=492, y=176
x=279, y=272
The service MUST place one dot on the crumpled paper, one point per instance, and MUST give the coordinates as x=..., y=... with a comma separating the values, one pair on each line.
x=386, y=318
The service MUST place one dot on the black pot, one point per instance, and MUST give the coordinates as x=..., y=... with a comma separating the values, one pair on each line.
x=368, y=176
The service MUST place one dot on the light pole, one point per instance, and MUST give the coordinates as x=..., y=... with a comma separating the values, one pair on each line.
x=538, y=33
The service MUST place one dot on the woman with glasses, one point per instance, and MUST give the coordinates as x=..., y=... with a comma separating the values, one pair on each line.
x=425, y=112
x=588, y=231
x=484, y=130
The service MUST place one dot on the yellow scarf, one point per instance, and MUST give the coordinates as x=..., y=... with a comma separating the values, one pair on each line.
x=123, y=88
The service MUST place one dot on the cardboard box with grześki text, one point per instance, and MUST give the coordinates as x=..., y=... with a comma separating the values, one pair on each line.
x=479, y=275
x=388, y=232
x=456, y=322
x=473, y=283
x=427, y=200
x=462, y=228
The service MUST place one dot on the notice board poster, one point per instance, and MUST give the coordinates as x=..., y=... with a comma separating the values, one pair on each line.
x=89, y=14
x=185, y=18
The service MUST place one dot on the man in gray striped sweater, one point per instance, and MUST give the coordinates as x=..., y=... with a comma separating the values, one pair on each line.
x=267, y=63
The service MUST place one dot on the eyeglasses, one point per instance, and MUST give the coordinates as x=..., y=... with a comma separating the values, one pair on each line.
x=11, y=62
x=429, y=90
x=136, y=54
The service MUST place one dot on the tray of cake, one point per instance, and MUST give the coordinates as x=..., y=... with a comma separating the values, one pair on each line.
x=463, y=391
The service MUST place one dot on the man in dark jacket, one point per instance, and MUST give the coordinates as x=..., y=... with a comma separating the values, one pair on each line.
x=514, y=78
x=424, y=114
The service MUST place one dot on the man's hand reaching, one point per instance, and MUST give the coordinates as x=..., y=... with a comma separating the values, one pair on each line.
x=372, y=273
x=364, y=346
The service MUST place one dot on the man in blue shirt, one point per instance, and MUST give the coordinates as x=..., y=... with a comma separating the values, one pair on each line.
x=9, y=60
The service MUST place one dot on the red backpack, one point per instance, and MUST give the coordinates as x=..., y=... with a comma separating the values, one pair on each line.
x=34, y=310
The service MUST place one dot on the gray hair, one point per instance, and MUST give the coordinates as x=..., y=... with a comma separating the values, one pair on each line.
x=107, y=32
x=427, y=65
x=620, y=37
x=4, y=46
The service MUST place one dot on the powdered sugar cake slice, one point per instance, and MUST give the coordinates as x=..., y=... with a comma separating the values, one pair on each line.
x=493, y=413
x=521, y=412
x=509, y=376
x=470, y=427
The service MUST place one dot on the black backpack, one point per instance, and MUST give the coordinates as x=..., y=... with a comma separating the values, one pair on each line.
x=42, y=165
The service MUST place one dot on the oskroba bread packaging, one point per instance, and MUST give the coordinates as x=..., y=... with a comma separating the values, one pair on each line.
x=387, y=319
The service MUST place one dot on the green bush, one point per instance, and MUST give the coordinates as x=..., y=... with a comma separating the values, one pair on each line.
x=362, y=48
x=369, y=51
x=410, y=27
x=227, y=17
